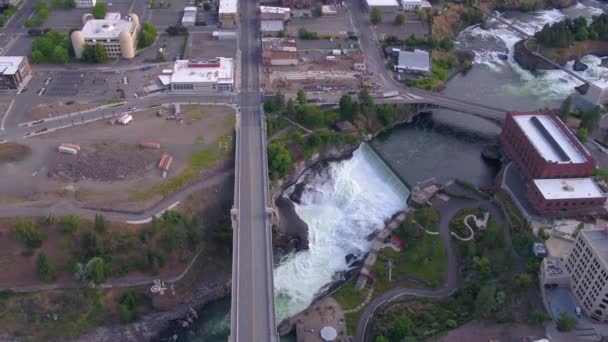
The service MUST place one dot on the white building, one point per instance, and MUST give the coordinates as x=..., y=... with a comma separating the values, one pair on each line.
x=212, y=75
x=414, y=5
x=189, y=18
x=598, y=92
x=228, y=13
x=274, y=13
x=85, y=3
x=118, y=36
x=382, y=4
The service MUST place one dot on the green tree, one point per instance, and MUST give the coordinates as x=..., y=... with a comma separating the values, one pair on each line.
x=590, y=119
x=402, y=326
x=69, y=223
x=60, y=55
x=422, y=15
x=451, y=324
x=349, y=109
x=538, y=317
x=27, y=232
x=38, y=57
x=279, y=159
x=446, y=44
x=523, y=280
x=270, y=106
x=94, y=54
x=96, y=270
x=399, y=19
x=566, y=323
x=147, y=35
x=381, y=338
x=99, y=10
x=100, y=224
x=46, y=270
x=485, y=301
x=386, y=114
x=90, y=244
x=582, y=133
x=279, y=100
x=565, y=109
x=376, y=16
x=301, y=97
x=291, y=108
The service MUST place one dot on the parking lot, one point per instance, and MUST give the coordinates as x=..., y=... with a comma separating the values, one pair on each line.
x=204, y=46
x=411, y=26
x=74, y=84
x=336, y=25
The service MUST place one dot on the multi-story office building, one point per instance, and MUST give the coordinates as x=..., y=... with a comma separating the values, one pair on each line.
x=118, y=36
x=588, y=269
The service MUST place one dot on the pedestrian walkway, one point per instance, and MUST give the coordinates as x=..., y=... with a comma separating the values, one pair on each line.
x=368, y=298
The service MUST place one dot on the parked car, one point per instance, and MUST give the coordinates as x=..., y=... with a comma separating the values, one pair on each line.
x=578, y=311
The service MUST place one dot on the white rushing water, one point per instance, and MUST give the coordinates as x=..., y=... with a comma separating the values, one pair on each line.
x=492, y=43
x=342, y=206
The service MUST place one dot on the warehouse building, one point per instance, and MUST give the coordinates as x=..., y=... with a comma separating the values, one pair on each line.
x=118, y=36
x=15, y=71
x=189, y=18
x=383, y=5
x=211, y=75
x=414, y=62
x=414, y=5
x=85, y=3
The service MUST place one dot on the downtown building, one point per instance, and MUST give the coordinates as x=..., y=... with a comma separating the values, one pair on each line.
x=203, y=76
x=555, y=166
x=14, y=72
x=118, y=36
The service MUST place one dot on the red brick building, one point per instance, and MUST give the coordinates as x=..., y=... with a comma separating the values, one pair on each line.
x=555, y=165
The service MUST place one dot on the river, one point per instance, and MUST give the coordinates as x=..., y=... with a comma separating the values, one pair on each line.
x=350, y=199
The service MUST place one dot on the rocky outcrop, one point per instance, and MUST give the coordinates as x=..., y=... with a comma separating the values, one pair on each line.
x=579, y=66
x=529, y=61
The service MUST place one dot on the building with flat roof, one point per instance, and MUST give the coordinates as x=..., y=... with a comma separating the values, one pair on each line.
x=271, y=27
x=275, y=13
x=228, y=13
x=14, y=71
x=414, y=62
x=541, y=146
x=189, y=18
x=382, y=4
x=555, y=166
x=279, y=51
x=85, y=3
x=588, y=269
x=118, y=36
x=414, y=5
x=211, y=75
x=296, y=3
x=555, y=194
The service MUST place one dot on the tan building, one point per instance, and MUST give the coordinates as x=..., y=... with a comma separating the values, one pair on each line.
x=588, y=269
x=15, y=71
x=117, y=35
x=228, y=13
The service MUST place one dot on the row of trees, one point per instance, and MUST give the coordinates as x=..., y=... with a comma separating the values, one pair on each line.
x=564, y=33
x=6, y=13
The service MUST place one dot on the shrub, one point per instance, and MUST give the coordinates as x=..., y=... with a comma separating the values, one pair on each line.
x=46, y=269
x=307, y=35
x=279, y=159
x=26, y=231
x=147, y=35
x=69, y=223
x=375, y=16
x=100, y=10
x=100, y=224
x=566, y=323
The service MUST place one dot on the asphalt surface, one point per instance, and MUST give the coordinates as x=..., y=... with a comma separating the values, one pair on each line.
x=45, y=125
x=374, y=57
x=252, y=312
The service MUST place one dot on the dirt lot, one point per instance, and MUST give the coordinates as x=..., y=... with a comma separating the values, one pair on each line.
x=483, y=332
x=412, y=26
x=52, y=109
x=201, y=143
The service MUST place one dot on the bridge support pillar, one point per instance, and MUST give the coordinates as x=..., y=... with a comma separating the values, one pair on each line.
x=234, y=216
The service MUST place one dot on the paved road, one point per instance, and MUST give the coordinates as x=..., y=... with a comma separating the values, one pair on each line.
x=252, y=312
x=16, y=133
x=375, y=58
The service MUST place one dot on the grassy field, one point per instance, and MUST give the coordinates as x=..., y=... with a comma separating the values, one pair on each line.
x=348, y=297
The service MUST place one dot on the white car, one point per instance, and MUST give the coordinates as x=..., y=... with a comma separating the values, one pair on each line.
x=578, y=311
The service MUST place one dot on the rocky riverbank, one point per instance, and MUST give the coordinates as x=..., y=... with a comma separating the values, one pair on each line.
x=526, y=59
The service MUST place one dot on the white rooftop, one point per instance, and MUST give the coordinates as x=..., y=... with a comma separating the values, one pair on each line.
x=382, y=3
x=228, y=6
x=548, y=139
x=10, y=64
x=110, y=27
x=182, y=73
x=271, y=9
x=568, y=188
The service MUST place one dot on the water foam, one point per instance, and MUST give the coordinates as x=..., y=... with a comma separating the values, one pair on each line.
x=342, y=205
